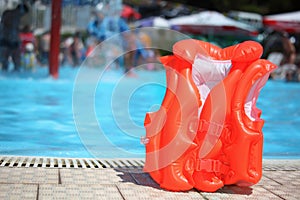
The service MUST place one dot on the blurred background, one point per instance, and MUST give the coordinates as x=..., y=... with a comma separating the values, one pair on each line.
x=223, y=23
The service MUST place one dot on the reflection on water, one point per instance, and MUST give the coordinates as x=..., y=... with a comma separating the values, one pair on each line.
x=279, y=102
x=37, y=118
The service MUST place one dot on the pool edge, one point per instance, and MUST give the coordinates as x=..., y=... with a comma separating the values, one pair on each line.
x=58, y=162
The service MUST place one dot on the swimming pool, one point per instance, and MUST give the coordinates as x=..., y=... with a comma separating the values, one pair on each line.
x=103, y=115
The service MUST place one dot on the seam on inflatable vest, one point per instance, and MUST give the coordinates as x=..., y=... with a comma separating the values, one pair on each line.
x=52, y=162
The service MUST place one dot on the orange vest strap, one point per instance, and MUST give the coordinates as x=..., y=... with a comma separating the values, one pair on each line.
x=215, y=129
x=210, y=165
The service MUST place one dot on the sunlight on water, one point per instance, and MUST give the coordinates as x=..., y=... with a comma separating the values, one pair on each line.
x=37, y=118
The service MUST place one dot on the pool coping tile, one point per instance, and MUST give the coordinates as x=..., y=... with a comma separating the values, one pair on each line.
x=281, y=180
x=79, y=191
x=28, y=175
x=18, y=191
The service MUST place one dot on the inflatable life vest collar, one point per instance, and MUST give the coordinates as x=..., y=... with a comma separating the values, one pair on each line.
x=245, y=52
x=187, y=50
x=211, y=51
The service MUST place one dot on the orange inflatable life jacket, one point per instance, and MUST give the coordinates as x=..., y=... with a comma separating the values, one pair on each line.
x=208, y=131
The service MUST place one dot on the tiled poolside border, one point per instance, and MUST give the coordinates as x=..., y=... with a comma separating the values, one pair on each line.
x=67, y=178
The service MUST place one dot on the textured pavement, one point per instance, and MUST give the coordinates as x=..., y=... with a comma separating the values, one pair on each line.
x=281, y=180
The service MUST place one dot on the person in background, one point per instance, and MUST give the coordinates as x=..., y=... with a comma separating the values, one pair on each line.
x=146, y=54
x=94, y=25
x=95, y=36
x=27, y=36
x=289, y=49
x=131, y=46
x=110, y=30
x=44, y=48
x=288, y=64
x=29, y=60
x=280, y=50
x=112, y=25
x=28, y=48
x=10, y=43
x=75, y=51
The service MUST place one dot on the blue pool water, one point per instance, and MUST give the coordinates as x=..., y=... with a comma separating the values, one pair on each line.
x=86, y=113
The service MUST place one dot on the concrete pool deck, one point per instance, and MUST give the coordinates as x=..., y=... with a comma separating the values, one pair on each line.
x=281, y=180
